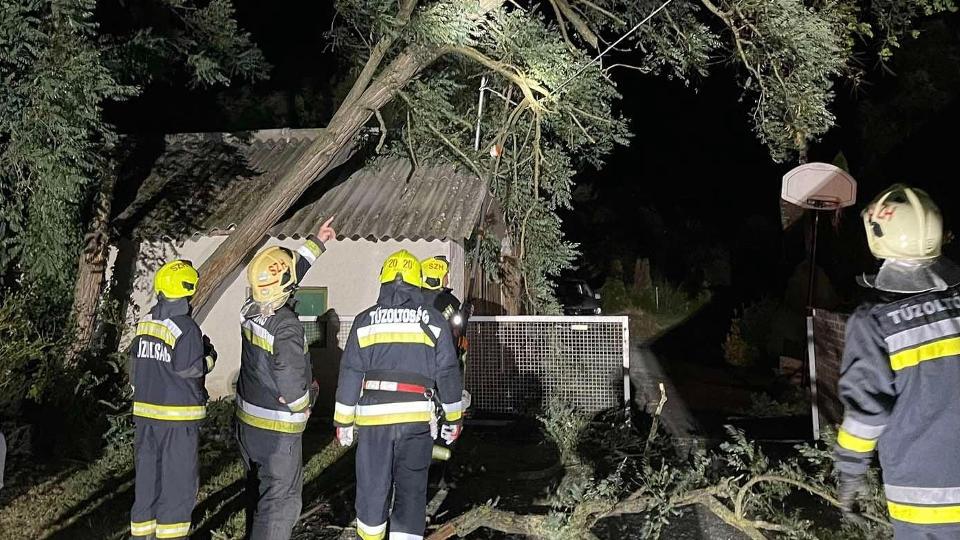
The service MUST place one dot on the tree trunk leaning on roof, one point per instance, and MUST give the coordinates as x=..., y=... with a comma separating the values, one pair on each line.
x=371, y=94
x=91, y=271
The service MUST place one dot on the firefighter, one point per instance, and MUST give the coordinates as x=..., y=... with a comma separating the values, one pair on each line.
x=274, y=388
x=169, y=360
x=436, y=292
x=901, y=371
x=396, y=359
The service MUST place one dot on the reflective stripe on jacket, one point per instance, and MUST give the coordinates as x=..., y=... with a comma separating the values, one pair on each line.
x=898, y=383
x=273, y=391
x=402, y=339
x=167, y=365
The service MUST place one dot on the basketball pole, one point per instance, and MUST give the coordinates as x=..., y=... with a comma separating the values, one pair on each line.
x=813, y=259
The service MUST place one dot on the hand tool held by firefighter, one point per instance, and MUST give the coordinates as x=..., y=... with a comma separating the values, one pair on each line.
x=440, y=453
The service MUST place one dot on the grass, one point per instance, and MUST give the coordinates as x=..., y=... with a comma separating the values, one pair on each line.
x=652, y=311
x=93, y=500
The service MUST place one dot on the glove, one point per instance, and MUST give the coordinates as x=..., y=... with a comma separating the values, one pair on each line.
x=209, y=355
x=849, y=487
x=450, y=433
x=345, y=435
x=466, y=399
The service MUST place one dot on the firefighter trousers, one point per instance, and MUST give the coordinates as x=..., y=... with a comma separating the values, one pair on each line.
x=274, y=481
x=393, y=459
x=910, y=531
x=166, y=479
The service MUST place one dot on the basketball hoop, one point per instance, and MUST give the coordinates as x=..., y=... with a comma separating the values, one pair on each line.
x=819, y=186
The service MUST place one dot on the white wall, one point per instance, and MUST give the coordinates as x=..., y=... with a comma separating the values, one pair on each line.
x=349, y=269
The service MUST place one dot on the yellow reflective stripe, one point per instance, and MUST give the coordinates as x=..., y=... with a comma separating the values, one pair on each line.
x=300, y=404
x=371, y=532
x=256, y=340
x=272, y=425
x=173, y=530
x=341, y=418
x=143, y=528
x=169, y=412
x=395, y=337
x=854, y=443
x=930, y=351
x=157, y=330
x=395, y=418
x=924, y=515
x=453, y=416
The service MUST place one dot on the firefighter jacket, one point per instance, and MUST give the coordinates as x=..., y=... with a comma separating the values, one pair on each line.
x=898, y=382
x=273, y=391
x=167, y=367
x=448, y=305
x=395, y=359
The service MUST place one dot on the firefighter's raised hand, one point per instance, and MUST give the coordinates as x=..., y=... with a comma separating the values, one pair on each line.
x=326, y=232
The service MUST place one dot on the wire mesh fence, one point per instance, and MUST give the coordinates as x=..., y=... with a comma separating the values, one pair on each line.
x=516, y=364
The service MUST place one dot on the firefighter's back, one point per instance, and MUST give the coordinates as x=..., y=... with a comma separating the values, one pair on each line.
x=922, y=336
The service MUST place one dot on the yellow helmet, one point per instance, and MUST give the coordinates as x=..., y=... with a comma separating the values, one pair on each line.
x=434, y=270
x=272, y=275
x=401, y=265
x=176, y=279
x=903, y=223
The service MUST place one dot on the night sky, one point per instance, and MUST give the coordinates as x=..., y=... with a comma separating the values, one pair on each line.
x=695, y=186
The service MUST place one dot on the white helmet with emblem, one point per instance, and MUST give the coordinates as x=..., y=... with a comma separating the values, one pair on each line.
x=905, y=229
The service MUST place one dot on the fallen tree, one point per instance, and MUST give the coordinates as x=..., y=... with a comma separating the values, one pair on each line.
x=737, y=482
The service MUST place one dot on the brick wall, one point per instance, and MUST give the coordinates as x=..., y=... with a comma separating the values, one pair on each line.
x=828, y=330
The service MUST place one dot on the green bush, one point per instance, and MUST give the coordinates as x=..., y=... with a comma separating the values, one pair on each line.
x=750, y=332
x=72, y=406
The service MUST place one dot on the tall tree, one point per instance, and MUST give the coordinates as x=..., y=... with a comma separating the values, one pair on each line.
x=57, y=173
x=550, y=110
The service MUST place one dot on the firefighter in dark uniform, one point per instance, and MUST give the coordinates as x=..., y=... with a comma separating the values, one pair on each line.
x=396, y=359
x=274, y=388
x=437, y=293
x=169, y=359
x=901, y=372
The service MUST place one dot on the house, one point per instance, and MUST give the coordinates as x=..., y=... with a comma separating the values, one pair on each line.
x=201, y=186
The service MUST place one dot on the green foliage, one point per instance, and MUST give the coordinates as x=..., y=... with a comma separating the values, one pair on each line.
x=737, y=351
x=59, y=70
x=549, y=111
x=746, y=341
x=662, y=298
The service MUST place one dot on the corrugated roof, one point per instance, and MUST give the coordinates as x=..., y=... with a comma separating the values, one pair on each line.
x=388, y=199
x=207, y=184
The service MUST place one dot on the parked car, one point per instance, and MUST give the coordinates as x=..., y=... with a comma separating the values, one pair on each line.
x=577, y=298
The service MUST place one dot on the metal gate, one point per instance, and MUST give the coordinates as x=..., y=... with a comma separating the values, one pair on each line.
x=516, y=363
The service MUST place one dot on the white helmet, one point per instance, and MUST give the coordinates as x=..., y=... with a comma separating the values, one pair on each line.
x=904, y=224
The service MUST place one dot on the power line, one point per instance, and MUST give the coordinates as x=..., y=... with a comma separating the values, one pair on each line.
x=614, y=44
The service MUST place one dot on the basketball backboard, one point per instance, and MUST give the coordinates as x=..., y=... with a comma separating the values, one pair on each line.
x=819, y=186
